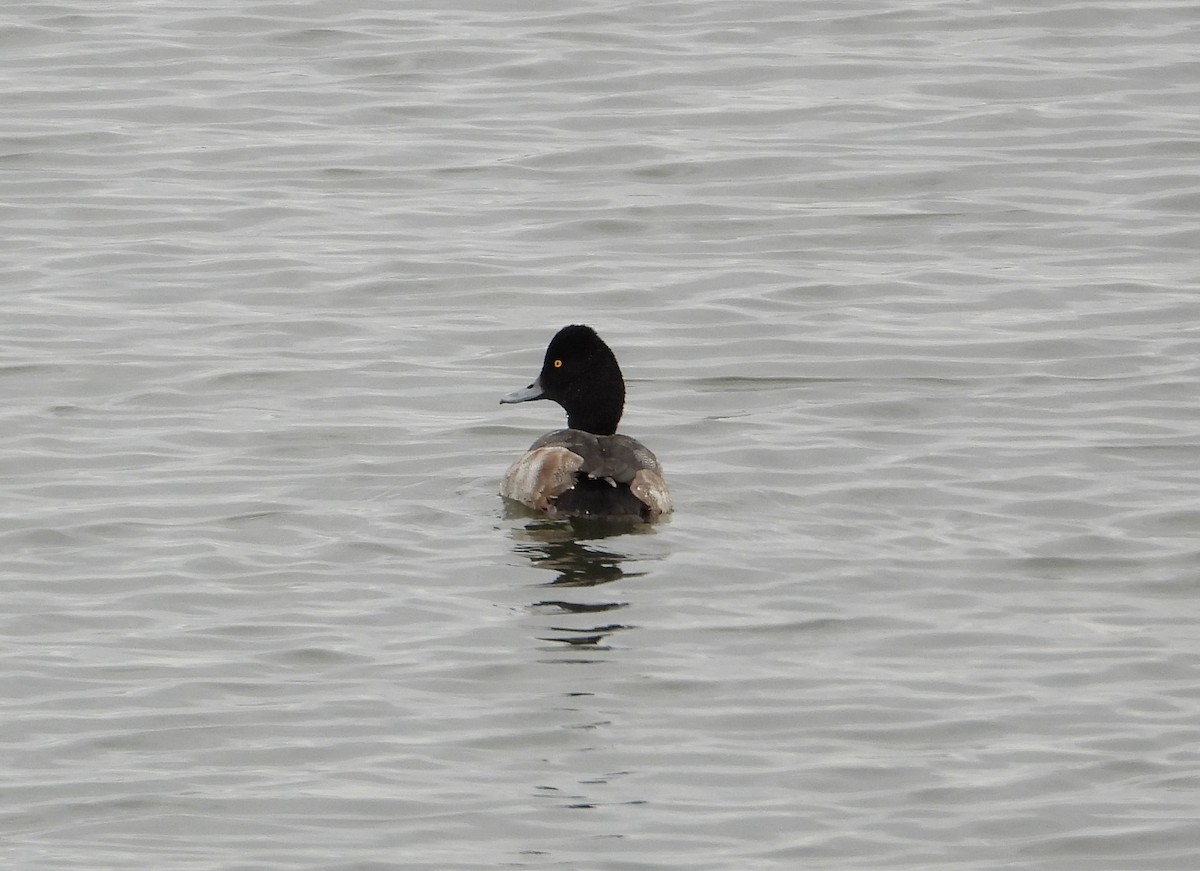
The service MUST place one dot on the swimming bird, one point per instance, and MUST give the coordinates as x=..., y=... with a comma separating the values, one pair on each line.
x=586, y=469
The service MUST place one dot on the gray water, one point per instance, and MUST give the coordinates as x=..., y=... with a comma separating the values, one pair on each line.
x=906, y=294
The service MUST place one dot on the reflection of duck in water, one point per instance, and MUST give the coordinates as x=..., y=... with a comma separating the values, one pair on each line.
x=570, y=552
x=587, y=469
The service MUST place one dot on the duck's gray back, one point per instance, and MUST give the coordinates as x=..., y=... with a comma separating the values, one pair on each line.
x=618, y=457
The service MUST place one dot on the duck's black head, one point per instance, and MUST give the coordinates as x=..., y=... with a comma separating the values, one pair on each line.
x=581, y=374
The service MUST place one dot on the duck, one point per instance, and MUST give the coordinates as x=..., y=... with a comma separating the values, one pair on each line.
x=587, y=469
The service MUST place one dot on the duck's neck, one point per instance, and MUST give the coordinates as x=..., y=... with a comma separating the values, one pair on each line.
x=594, y=404
x=597, y=409
x=598, y=421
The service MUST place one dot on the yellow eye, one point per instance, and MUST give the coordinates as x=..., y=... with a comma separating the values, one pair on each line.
x=558, y=364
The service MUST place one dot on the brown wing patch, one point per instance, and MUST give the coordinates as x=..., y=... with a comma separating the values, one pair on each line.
x=651, y=490
x=540, y=476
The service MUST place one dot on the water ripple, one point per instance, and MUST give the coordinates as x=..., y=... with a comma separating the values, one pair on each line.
x=905, y=296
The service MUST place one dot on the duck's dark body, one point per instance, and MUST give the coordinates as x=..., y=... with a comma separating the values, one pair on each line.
x=587, y=469
x=572, y=472
x=591, y=497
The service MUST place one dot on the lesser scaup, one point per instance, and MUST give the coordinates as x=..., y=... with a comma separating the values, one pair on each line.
x=586, y=470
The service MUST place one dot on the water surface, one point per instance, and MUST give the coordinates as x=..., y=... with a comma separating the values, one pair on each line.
x=906, y=297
